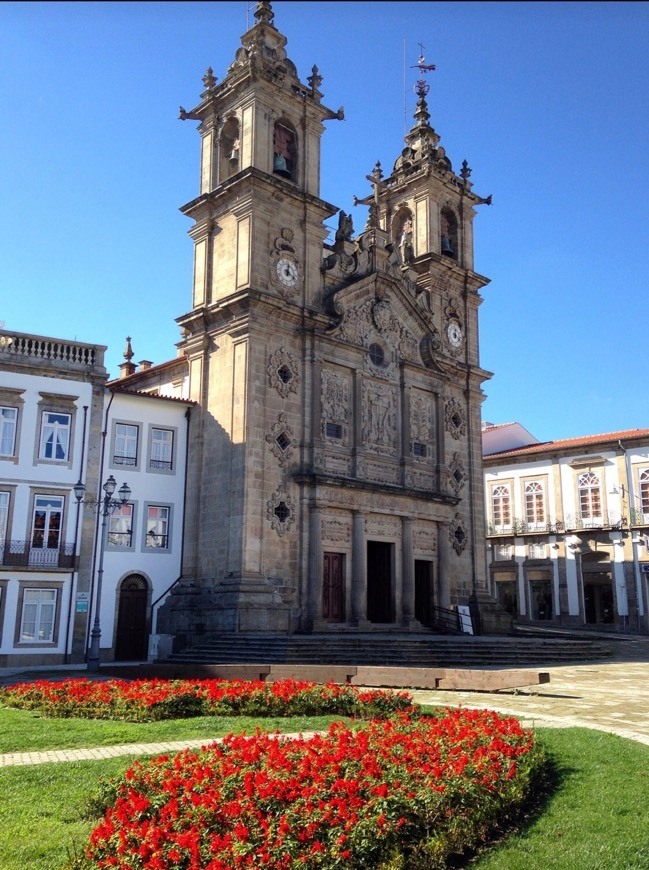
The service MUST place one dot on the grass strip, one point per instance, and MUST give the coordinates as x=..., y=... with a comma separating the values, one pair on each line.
x=27, y=731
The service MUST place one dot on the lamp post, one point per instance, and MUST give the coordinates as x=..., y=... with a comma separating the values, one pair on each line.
x=105, y=507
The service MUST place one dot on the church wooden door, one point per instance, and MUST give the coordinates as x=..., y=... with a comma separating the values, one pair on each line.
x=131, y=639
x=333, y=588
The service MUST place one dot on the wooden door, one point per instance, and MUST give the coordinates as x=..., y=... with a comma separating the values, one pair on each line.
x=132, y=635
x=333, y=588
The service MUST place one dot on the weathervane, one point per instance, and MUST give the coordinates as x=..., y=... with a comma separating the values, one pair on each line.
x=422, y=87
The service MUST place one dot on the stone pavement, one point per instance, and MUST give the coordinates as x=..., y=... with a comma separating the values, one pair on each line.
x=611, y=696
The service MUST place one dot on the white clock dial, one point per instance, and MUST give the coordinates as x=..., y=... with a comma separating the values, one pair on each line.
x=287, y=272
x=454, y=333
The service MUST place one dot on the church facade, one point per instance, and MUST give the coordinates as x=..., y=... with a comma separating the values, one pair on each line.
x=334, y=471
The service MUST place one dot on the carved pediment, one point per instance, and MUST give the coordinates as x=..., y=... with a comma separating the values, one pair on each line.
x=392, y=327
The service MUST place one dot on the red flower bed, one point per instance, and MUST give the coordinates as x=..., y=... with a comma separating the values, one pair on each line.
x=149, y=700
x=413, y=790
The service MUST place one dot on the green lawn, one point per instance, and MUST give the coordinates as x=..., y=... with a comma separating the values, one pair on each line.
x=597, y=818
x=28, y=731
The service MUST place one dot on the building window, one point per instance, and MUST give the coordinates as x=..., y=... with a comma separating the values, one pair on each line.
x=4, y=520
x=126, y=443
x=37, y=620
x=501, y=508
x=47, y=523
x=644, y=492
x=8, y=422
x=162, y=443
x=377, y=355
x=55, y=436
x=157, y=527
x=419, y=449
x=590, y=497
x=534, y=504
x=333, y=430
x=120, y=530
x=536, y=551
x=502, y=552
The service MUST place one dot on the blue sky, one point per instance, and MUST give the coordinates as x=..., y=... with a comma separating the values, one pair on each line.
x=548, y=103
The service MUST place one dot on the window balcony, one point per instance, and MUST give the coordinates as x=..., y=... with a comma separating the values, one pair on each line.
x=603, y=520
x=21, y=554
x=523, y=527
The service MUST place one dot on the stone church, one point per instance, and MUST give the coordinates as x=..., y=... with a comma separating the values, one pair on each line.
x=334, y=473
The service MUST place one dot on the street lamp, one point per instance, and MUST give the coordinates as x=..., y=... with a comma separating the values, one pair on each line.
x=105, y=506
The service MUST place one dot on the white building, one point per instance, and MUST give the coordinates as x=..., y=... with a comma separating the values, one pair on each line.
x=568, y=526
x=61, y=423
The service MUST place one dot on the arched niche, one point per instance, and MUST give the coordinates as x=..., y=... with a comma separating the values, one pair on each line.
x=448, y=233
x=402, y=234
x=284, y=150
x=229, y=149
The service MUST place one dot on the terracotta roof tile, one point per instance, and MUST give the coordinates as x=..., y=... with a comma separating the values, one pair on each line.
x=571, y=443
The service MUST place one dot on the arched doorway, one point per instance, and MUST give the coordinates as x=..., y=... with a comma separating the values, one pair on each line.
x=132, y=633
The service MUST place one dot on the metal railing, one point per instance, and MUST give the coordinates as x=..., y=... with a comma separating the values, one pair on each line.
x=516, y=527
x=447, y=620
x=21, y=554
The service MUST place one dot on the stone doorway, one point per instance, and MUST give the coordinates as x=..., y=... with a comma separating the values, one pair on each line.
x=379, y=581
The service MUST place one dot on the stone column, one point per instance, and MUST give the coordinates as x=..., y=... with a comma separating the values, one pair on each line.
x=359, y=570
x=314, y=615
x=443, y=545
x=407, y=573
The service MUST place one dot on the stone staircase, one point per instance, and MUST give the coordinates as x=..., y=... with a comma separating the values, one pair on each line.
x=393, y=650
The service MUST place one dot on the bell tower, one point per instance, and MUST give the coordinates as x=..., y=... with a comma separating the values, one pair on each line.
x=259, y=170
x=427, y=212
x=258, y=231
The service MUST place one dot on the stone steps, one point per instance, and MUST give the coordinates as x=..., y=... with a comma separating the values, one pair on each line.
x=393, y=650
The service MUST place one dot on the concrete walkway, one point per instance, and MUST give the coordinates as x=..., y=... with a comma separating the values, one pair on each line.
x=611, y=696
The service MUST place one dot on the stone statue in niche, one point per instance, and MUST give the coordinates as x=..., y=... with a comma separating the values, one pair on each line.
x=406, y=249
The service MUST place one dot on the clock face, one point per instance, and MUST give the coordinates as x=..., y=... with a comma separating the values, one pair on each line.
x=454, y=333
x=287, y=272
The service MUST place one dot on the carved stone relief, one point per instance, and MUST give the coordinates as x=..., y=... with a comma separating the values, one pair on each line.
x=280, y=510
x=419, y=479
x=336, y=530
x=455, y=419
x=283, y=372
x=425, y=539
x=457, y=534
x=379, y=418
x=421, y=425
x=334, y=396
x=374, y=321
x=457, y=474
x=376, y=471
x=281, y=440
x=383, y=526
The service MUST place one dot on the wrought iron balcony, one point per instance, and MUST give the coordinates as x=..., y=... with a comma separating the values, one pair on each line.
x=21, y=554
x=523, y=527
